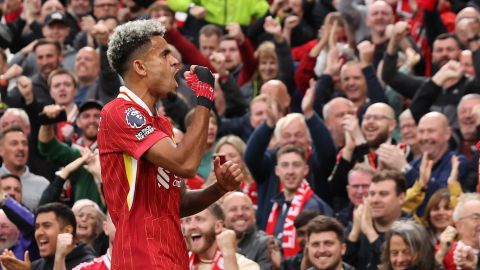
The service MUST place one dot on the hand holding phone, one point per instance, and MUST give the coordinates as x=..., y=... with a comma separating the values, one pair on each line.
x=52, y=114
x=223, y=158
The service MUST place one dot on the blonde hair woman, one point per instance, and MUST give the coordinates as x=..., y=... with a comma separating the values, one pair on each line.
x=233, y=148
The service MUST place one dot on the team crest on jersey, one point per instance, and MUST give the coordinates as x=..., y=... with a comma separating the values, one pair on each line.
x=134, y=118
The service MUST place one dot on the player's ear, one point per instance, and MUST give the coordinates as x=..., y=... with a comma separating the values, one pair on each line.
x=139, y=67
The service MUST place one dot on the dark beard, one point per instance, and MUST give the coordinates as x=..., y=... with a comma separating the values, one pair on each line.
x=381, y=138
x=333, y=266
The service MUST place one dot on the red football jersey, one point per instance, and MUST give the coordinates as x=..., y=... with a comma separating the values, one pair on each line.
x=143, y=199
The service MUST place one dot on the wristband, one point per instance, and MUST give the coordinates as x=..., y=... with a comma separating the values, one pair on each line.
x=203, y=86
x=202, y=101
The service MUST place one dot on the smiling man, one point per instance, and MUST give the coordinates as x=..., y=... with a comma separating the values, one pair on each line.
x=14, y=152
x=373, y=218
x=211, y=246
x=434, y=135
x=55, y=229
x=240, y=217
x=325, y=244
x=296, y=196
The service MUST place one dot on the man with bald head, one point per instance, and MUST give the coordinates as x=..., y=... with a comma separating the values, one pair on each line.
x=240, y=217
x=469, y=17
x=333, y=113
x=96, y=78
x=372, y=143
x=368, y=22
x=278, y=90
x=434, y=134
x=379, y=15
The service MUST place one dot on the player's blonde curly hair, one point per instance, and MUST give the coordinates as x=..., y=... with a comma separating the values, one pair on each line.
x=130, y=38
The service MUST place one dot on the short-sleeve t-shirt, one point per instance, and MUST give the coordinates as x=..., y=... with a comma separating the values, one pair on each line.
x=142, y=198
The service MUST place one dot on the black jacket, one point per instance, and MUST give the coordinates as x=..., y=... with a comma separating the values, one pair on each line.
x=81, y=253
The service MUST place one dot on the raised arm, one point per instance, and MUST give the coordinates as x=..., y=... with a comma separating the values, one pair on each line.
x=184, y=159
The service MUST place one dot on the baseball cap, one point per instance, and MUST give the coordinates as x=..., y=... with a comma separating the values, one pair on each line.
x=90, y=104
x=55, y=17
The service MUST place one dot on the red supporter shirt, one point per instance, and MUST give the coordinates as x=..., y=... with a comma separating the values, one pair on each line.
x=143, y=199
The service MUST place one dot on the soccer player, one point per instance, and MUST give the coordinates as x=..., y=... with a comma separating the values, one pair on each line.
x=142, y=167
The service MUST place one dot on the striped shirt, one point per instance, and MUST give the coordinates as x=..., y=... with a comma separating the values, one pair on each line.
x=142, y=198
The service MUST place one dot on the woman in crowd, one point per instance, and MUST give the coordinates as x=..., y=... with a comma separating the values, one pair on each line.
x=407, y=246
x=233, y=148
x=273, y=61
x=438, y=213
x=89, y=224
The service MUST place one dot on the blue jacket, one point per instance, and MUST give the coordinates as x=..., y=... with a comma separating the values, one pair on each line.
x=261, y=163
x=439, y=177
x=239, y=126
x=24, y=220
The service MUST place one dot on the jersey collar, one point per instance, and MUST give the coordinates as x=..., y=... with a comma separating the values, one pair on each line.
x=127, y=94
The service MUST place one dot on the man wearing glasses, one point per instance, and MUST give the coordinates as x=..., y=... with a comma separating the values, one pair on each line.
x=359, y=180
x=370, y=143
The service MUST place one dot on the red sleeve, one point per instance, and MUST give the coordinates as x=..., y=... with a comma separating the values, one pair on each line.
x=189, y=52
x=12, y=16
x=448, y=19
x=249, y=62
x=299, y=51
x=126, y=128
x=305, y=72
x=427, y=4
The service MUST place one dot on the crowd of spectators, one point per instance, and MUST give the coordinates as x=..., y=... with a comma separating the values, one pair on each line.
x=356, y=124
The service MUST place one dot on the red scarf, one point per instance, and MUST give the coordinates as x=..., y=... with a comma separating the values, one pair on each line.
x=251, y=191
x=217, y=264
x=289, y=242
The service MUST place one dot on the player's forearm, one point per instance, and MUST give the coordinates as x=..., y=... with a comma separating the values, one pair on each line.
x=193, y=145
x=194, y=201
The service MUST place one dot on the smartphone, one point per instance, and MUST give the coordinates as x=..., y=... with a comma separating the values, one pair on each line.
x=222, y=157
